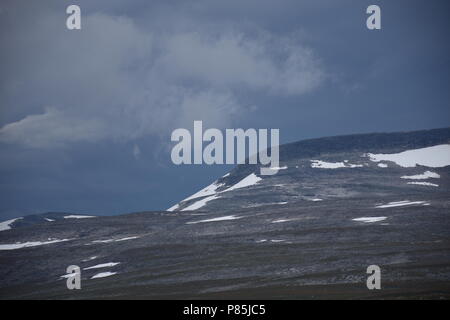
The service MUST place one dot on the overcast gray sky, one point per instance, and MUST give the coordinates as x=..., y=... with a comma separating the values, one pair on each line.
x=86, y=115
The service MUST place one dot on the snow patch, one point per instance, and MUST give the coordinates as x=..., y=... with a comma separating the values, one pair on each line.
x=126, y=239
x=6, y=225
x=211, y=193
x=382, y=165
x=225, y=218
x=424, y=184
x=434, y=157
x=327, y=165
x=29, y=244
x=333, y=165
x=400, y=204
x=103, y=265
x=172, y=208
x=69, y=275
x=74, y=216
x=103, y=275
x=349, y=165
x=273, y=240
x=115, y=240
x=198, y=204
x=425, y=175
x=207, y=191
x=283, y=220
x=369, y=219
x=89, y=259
x=250, y=180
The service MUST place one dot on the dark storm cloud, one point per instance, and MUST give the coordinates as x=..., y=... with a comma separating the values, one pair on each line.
x=115, y=79
x=86, y=116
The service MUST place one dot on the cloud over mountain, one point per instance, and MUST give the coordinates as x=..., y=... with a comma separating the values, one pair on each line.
x=117, y=80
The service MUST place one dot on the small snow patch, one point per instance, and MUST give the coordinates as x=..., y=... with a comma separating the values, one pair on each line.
x=207, y=191
x=115, y=240
x=6, y=225
x=73, y=216
x=126, y=239
x=354, y=165
x=400, y=204
x=429, y=184
x=89, y=259
x=425, y=175
x=282, y=220
x=369, y=219
x=103, y=265
x=225, y=218
x=250, y=180
x=69, y=275
x=333, y=165
x=104, y=241
x=173, y=207
x=200, y=203
x=103, y=275
x=273, y=241
x=29, y=244
x=327, y=165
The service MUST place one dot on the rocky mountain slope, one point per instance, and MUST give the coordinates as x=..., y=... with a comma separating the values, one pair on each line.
x=336, y=168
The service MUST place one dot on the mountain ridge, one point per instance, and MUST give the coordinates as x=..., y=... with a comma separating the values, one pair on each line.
x=349, y=149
